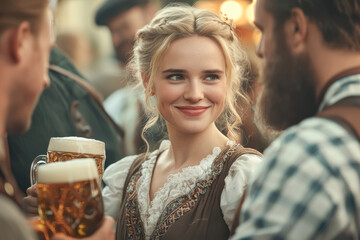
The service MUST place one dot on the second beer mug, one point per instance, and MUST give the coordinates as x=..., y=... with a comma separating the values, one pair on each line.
x=62, y=149
x=69, y=198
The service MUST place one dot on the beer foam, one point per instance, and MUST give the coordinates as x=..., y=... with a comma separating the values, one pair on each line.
x=70, y=171
x=76, y=145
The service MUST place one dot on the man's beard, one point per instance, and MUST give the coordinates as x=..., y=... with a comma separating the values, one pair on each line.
x=288, y=95
x=124, y=51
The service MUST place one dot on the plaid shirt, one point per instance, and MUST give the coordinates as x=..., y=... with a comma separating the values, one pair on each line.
x=309, y=184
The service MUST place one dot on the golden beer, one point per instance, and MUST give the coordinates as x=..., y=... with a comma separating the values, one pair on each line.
x=66, y=156
x=69, y=197
x=68, y=148
x=62, y=149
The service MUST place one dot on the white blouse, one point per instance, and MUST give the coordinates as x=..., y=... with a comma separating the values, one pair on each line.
x=177, y=185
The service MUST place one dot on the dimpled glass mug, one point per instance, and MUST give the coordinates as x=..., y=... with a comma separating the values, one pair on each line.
x=69, y=197
x=63, y=149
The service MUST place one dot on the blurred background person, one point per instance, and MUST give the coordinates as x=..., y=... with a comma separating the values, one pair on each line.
x=126, y=105
x=123, y=18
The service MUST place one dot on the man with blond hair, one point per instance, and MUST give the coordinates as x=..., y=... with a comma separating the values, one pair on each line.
x=25, y=43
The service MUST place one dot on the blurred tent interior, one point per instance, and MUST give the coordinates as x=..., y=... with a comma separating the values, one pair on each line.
x=87, y=44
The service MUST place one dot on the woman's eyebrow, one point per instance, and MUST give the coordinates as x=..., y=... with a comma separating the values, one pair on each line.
x=171, y=70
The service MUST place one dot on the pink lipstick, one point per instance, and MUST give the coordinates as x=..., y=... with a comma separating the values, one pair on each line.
x=192, y=110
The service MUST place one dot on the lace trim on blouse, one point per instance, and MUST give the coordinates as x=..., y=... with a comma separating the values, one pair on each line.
x=177, y=185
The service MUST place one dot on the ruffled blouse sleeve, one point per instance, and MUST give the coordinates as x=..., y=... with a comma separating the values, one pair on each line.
x=235, y=183
x=114, y=178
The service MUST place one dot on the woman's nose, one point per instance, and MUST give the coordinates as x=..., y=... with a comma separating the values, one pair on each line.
x=194, y=91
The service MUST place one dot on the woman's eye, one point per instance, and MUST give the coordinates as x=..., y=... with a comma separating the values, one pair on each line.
x=175, y=77
x=212, y=77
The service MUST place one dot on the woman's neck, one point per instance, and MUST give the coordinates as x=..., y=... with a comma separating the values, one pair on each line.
x=189, y=149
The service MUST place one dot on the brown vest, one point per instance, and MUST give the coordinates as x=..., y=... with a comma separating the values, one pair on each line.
x=194, y=216
x=346, y=112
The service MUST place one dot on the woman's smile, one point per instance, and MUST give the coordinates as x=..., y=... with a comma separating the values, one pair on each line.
x=192, y=110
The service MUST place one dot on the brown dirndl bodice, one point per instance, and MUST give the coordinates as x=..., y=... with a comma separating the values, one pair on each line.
x=196, y=215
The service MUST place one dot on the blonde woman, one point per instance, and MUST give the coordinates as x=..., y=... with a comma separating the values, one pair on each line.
x=189, y=188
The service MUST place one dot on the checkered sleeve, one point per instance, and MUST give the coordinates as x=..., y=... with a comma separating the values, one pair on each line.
x=298, y=193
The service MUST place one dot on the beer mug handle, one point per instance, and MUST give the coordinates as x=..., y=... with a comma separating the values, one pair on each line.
x=39, y=160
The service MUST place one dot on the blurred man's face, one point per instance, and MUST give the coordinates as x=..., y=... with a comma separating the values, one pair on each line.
x=123, y=28
x=288, y=95
x=33, y=79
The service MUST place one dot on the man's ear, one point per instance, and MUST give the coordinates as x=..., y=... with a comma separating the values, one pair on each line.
x=296, y=30
x=19, y=41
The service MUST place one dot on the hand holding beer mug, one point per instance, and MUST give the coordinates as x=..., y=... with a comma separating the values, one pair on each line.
x=69, y=197
x=62, y=149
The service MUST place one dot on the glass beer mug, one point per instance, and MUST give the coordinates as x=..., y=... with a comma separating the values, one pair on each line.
x=62, y=149
x=69, y=197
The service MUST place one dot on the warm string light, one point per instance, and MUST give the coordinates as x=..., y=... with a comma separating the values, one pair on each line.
x=235, y=12
x=250, y=12
x=232, y=9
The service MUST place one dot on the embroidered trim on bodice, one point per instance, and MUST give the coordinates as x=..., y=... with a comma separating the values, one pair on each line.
x=180, y=193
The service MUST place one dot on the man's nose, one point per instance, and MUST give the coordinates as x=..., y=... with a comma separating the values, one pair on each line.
x=260, y=49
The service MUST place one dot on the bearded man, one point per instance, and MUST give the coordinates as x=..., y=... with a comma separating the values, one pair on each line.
x=309, y=186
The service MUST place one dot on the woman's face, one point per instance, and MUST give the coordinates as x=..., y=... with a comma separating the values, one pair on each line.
x=190, y=84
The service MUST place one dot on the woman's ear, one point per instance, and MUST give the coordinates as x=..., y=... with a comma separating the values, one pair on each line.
x=145, y=80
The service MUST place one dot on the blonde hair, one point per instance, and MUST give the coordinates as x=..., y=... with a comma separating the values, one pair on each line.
x=180, y=21
x=13, y=12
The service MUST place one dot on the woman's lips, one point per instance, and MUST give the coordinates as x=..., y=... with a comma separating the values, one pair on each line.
x=192, y=110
